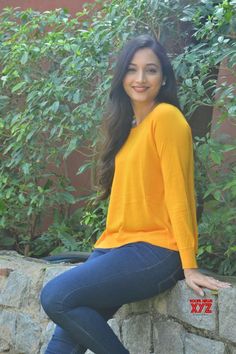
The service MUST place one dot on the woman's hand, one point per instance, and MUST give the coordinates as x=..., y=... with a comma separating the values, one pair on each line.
x=196, y=280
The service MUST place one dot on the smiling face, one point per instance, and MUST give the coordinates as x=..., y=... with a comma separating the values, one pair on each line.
x=143, y=78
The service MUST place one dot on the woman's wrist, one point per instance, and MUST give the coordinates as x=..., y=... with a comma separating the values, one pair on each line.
x=189, y=270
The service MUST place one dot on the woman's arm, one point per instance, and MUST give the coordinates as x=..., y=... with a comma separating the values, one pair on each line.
x=174, y=144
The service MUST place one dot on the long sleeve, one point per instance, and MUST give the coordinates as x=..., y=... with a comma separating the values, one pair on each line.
x=173, y=139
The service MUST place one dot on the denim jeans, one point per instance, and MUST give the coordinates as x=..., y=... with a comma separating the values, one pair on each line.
x=82, y=299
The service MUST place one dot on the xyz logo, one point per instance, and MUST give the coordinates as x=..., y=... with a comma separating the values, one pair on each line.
x=202, y=306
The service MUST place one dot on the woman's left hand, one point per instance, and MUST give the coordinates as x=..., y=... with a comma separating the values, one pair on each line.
x=195, y=280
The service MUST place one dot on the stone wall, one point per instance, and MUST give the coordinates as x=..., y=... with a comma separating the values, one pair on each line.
x=162, y=324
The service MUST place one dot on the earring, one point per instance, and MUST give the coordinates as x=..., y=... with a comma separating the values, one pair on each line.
x=163, y=84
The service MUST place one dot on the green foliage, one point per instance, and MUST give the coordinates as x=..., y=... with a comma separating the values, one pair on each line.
x=55, y=78
x=214, y=31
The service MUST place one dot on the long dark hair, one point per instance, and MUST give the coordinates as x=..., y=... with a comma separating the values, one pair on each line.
x=116, y=124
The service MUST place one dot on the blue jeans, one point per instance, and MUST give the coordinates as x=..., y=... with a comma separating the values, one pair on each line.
x=82, y=299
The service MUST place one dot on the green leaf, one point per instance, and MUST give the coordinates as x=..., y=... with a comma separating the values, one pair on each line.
x=232, y=111
x=54, y=107
x=2, y=207
x=216, y=157
x=22, y=198
x=4, y=100
x=209, y=248
x=189, y=82
x=69, y=198
x=84, y=167
x=24, y=58
x=76, y=96
x=26, y=168
x=18, y=87
x=72, y=146
x=217, y=195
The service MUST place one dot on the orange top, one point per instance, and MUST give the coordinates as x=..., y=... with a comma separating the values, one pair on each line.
x=152, y=196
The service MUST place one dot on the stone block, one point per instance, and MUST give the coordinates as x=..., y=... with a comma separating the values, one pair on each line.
x=232, y=349
x=227, y=313
x=123, y=312
x=143, y=306
x=179, y=306
x=28, y=334
x=136, y=333
x=15, y=290
x=195, y=344
x=8, y=327
x=168, y=337
x=4, y=346
x=159, y=303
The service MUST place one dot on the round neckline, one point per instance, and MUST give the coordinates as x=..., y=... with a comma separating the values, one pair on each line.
x=145, y=118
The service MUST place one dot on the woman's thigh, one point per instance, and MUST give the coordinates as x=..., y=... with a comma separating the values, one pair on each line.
x=117, y=276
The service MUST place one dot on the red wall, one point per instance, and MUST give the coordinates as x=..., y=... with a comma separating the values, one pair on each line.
x=228, y=126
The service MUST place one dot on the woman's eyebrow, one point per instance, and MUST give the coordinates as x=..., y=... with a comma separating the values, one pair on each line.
x=148, y=64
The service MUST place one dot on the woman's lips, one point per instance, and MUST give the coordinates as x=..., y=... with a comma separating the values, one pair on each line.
x=140, y=89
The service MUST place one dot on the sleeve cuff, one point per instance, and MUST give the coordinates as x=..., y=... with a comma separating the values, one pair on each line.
x=188, y=258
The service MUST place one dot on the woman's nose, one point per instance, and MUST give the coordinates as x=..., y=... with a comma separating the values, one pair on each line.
x=140, y=77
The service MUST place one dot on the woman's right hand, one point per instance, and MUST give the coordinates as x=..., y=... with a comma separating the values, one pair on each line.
x=195, y=280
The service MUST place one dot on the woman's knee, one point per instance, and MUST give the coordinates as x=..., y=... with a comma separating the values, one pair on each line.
x=50, y=299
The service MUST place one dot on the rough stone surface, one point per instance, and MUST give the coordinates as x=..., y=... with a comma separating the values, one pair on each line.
x=8, y=327
x=199, y=345
x=232, y=350
x=179, y=306
x=16, y=290
x=136, y=332
x=159, y=325
x=227, y=313
x=168, y=337
x=27, y=334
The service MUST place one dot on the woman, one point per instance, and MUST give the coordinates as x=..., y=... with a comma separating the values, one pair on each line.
x=150, y=240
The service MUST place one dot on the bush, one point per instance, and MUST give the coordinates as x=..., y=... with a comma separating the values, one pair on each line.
x=54, y=84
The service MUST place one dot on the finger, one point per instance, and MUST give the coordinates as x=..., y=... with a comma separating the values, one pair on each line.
x=205, y=283
x=218, y=283
x=197, y=289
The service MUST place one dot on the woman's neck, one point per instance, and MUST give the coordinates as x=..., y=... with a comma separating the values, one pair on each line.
x=142, y=110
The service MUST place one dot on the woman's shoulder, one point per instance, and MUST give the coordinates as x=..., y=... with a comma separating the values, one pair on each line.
x=168, y=115
x=166, y=108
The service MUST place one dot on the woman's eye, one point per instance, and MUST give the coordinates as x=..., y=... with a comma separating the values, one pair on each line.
x=130, y=69
x=148, y=70
x=153, y=71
